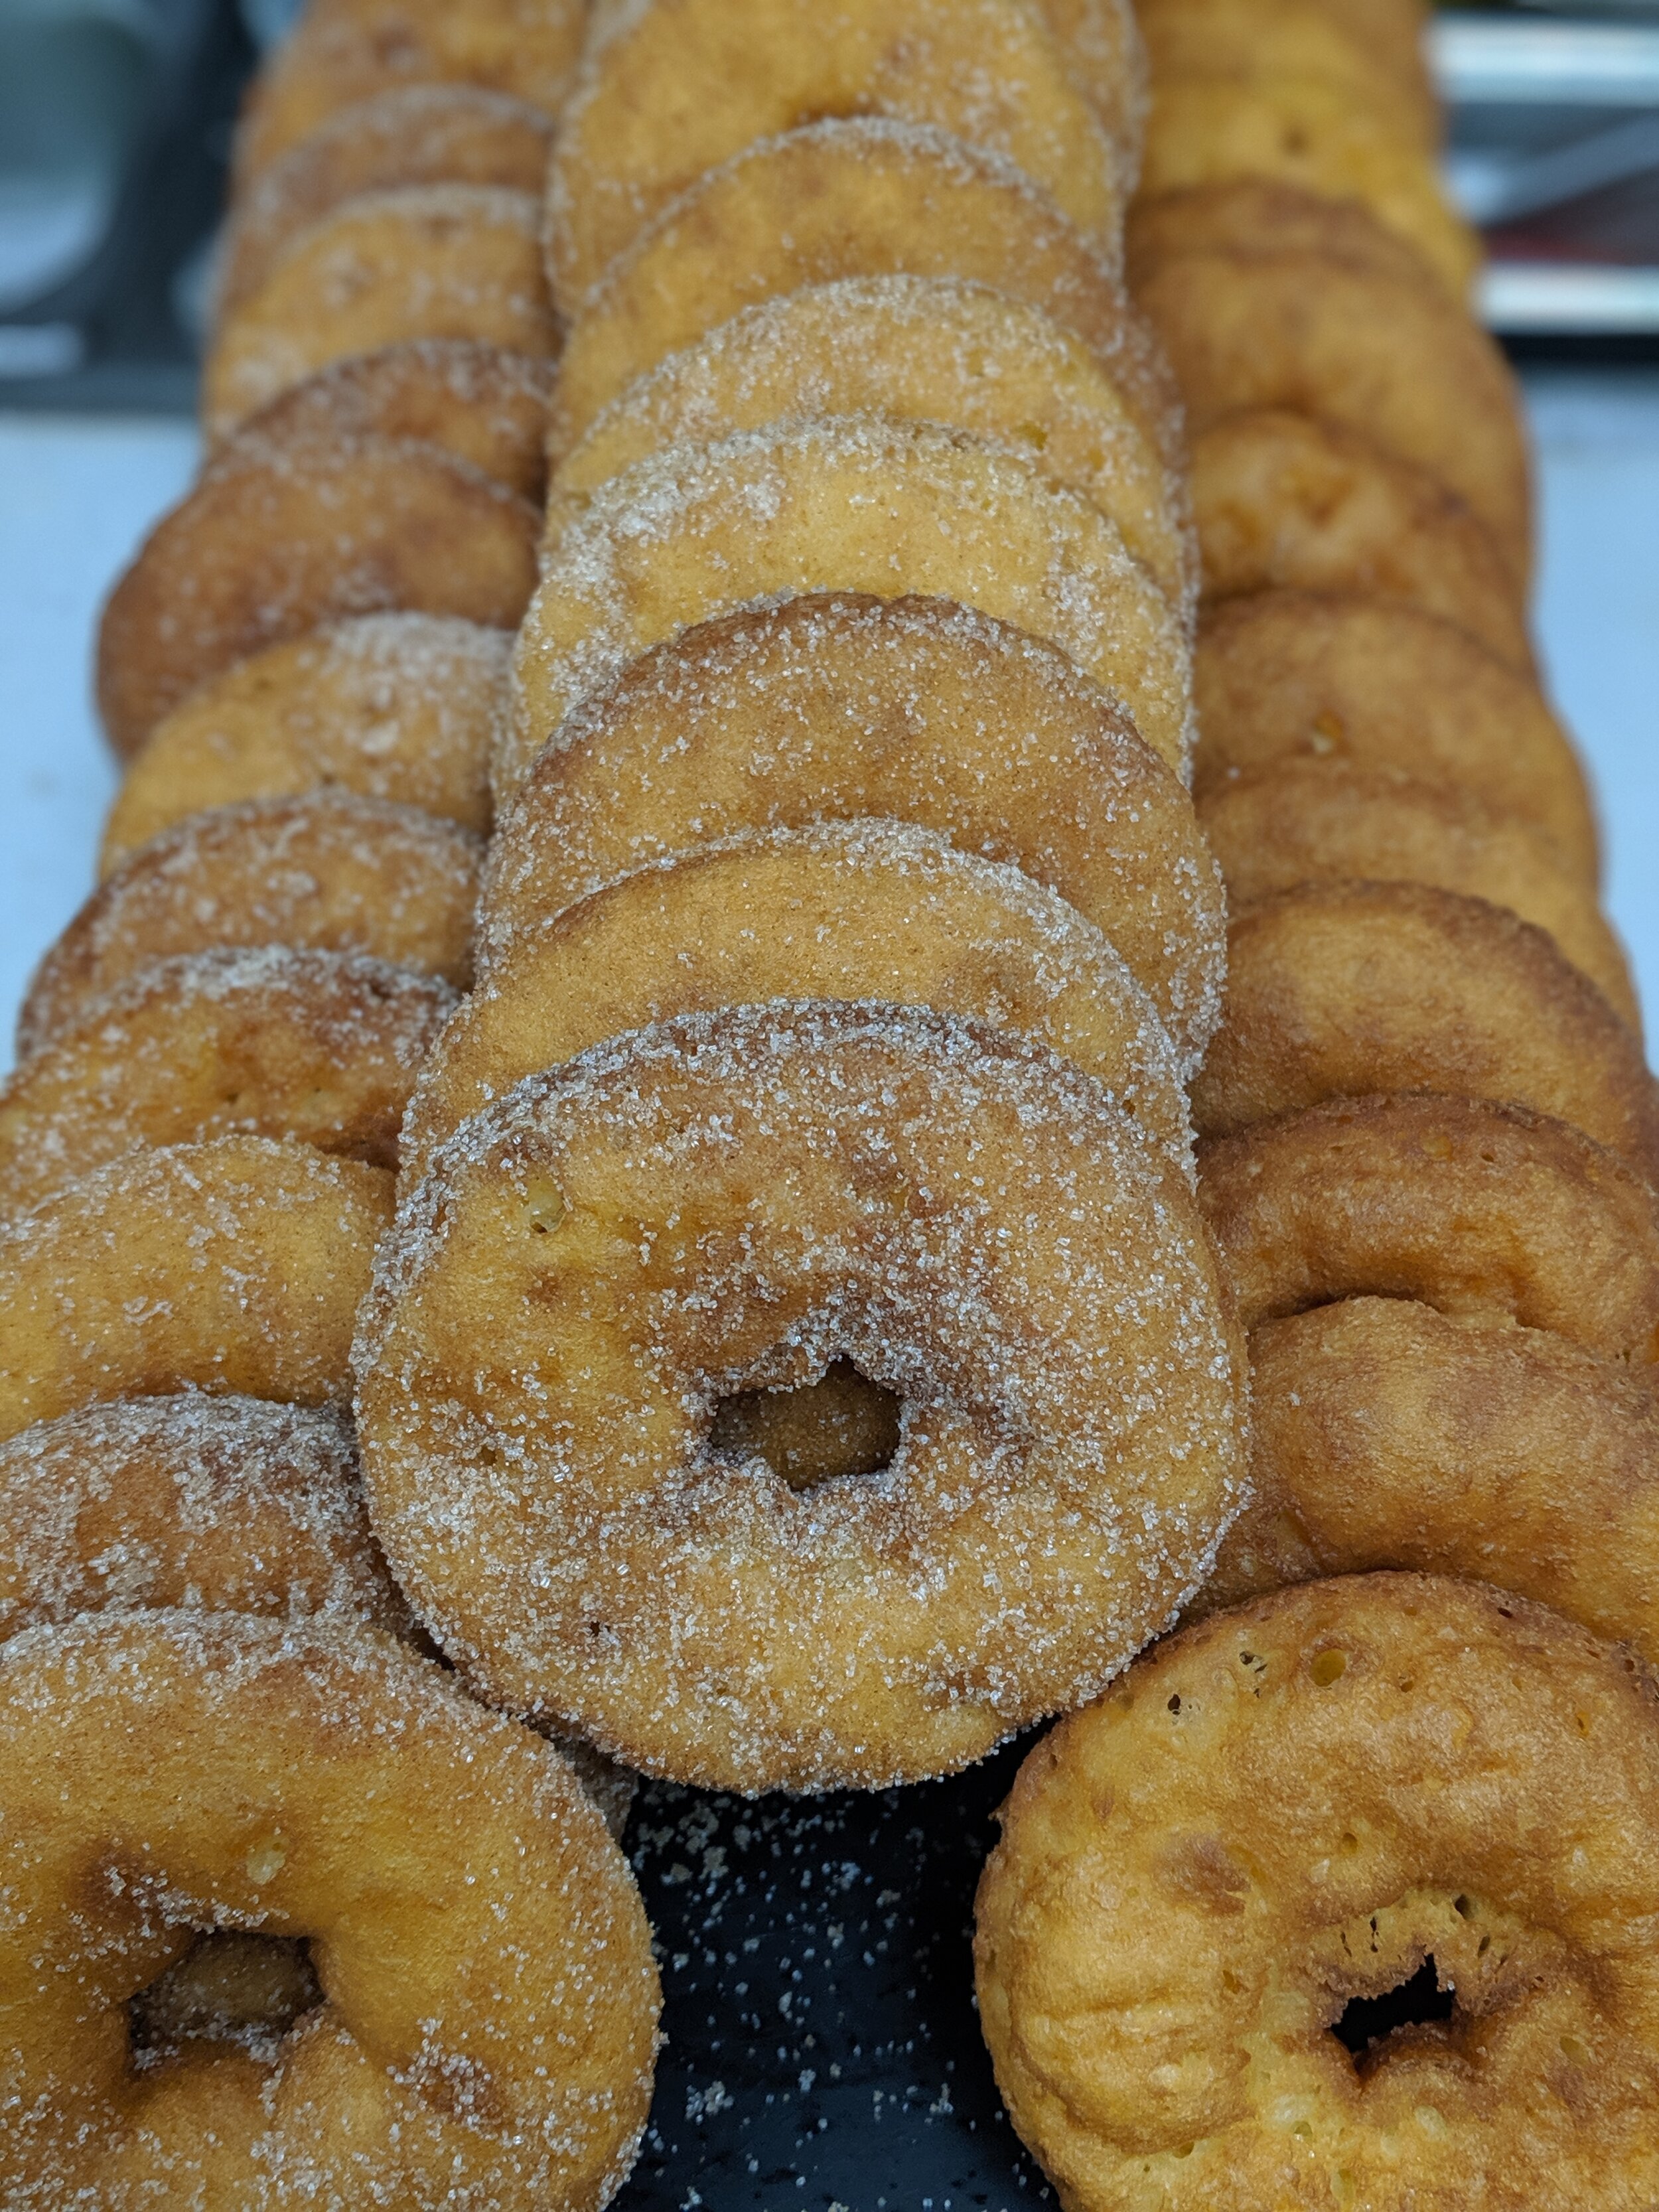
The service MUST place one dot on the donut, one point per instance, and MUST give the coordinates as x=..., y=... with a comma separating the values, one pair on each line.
x=1282, y=501
x=1260, y=215
x=418, y=134
x=322, y=1046
x=1206, y=1880
x=743, y=1199
x=234, y=1266
x=427, y=261
x=832, y=707
x=857, y=505
x=349, y=51
x=278, y=540
x=916, y=349
x=1280, y=677
x=215, y=1505
x=1297, y=130
x=328, y=872
x=1398, y=362
x=1317, y=821
x=1100, y=40
x=399, y=707
x=478, y=402
x=1292, y=39
x=1471, y=1207
x=677, y=90
x=1339, y=990
x=873, y=910
x=862, y=196
x=1386, y=1434
x=487, y=2029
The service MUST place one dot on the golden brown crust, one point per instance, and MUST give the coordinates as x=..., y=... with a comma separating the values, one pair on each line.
x=731, y=1201
x=489, y=2002
x=1475, y=1209
x=840, y=707
x=1287, y=676
x=323, y=872
x=482, y=403
x=854, y=198
x=1383, y=77
x=1297, y=131
x=347, y=51
x=235, y=1266
x=1358, y=987
x=856, y=504
x=1295, y=1804
x=1256, y=215
x=1385, y=1434
x=427, y=261
x=915, y=349
x=278, y=540
x=861, y=910
x=1321, y=821
x=396, y=707
x=674, y=91
x=214, y=1504
x=1396, y=360
x=1283, y=502
x=320, y=1047
x=423, y=134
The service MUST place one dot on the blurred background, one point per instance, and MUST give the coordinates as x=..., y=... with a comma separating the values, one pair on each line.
x=115, y=122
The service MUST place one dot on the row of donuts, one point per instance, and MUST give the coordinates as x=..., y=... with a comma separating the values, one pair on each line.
x=1427, y=1155
x=192, y=999
x=199, y=1154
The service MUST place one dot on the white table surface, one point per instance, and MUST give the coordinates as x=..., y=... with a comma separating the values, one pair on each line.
x=77, y=496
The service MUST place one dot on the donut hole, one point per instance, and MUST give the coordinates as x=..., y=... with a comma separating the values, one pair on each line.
x=841, y=1425
x=1366, y=2022
x=230, y=1987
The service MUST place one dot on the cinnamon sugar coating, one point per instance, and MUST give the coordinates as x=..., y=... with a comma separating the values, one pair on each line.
x=486, y=2032
x=836, y=706
x=732, y=1201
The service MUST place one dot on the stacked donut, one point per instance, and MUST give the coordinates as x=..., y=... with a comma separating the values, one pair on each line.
x=289, y=1918
x=1336, y=1900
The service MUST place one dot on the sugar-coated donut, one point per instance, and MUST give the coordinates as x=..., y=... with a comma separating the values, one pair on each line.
x=857, y=505
x=682, y=85
x=394, y=706
x=1317, y=821
x=919, y=348
x=1282, y=501
x=1397, y=361
x=875, y=910
x=864, y=197
x=1384, y=77
x=349, y=51
x=732, y=1202
x=325, y=873
x=1286, y=675
x=427, y=261
x=233, y=1265
x=1340, y=989
x=275, y=540
x=482, y=403
x=418, y=134
x=215, y=1505
x=322, y=1046
x=1296, y=1805
x=487, y=2026
x=1470, y=1207
x=835, y=706
x=1386, y=1434
x=1299, y=132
